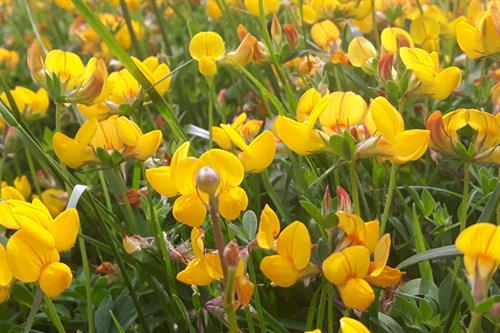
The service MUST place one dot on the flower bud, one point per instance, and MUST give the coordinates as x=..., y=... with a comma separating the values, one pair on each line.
x=207, y=180
x=291, y=34
x=35, y=63
x=384, y=67
x=232, y=254
x=276, y=28
x=343, y=200
x=133, y=244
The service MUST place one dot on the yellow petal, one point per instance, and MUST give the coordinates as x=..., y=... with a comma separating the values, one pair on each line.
x=269, y=228
x=194, y=274
x=381, y=254
x=161, y=181
x=70, y=151
x=424, y=27
x=353, y=226
x=55, y=278
x=386, y=118
x=260, y=153
x=480, y=239
x=235, y=137
x=340, y=110
x=372, y=231
x=445, y=82
x=297, y=136
x=208, y=44
x=387, y=278
x=410, y=145
x=306, y=103
x=469, y=40
x=324, y=33
x=22, y=184
x=36, y=231
x=280, y=270
x=197, y=242
x=227, y=165
x=184, y=174
x=357, y=294
x=349, y=325
x=5, y=274
x=128, y=131
x=394, y=38
x=421, y=62
x=65, y=229
x=294, y=243
x=86, y=132
x=190, y=210
x=27, y=257
x=207, y=66
x=360, y=52
x=232, y=201
x=352, y=262
x=147, y=145
x=6, y=218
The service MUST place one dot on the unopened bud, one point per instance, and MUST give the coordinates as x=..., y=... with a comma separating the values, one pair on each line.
x=232, y=254
x=495, y=310
x=327, y=198
x=344, y=202
x=291, y=34
x=45, y=179
x=275, y=28
x=35, y=62
x=207, y=180
x=133, y=244
x=385, y=66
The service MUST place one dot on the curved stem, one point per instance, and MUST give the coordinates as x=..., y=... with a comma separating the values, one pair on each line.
x=35, y=305
x=354, y=187
x=465, y=197
x=229, y=300
x=34, y=26
x=54, y=316
x=475, y=322
x=388, y=199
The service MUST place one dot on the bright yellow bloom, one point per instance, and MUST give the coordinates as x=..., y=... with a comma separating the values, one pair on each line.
x=361, y=52
x=123, y=34
x=22, y=184
x=292, y=261
x=356, y=9
x=10, y=192
x=9, y=59
x=33, y=250
x=6, y=277
x=180, y=178
x=306, y=104
x=247, y=128
x=113, y=134
x=395, y=38
x=339, y=111
x=213, y=10
x=270, y=6
x=479, y=39
x=302, y=138
x=425, y=31
x=480, y=245
x=55, y=200
x=347, y=270
x=434, y=82
x=28, y=102
x=485, y=143
x=269, y=228
x=357, y=232
x=395, y=143
x=349, y=325
x=258, y=154
x=125, y=89
x=207, y=48
x=325, y=34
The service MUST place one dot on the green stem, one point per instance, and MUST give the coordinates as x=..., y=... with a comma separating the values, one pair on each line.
x=218, y=235
x=249, y=319
x=211, y=101
x=105, y=191
x=123, y=192
x=354, y=187
x=475, y=322
x=88, y=287
x=424, y=267
x=58, y=115
x=130, y=28
x=229, y=300
x=159, y=19
x=35, y=305
x=271, y=192
x=388, y=199
x=375, y=26
x=34, y=26
x=330, y=308
x=256, y=297
x=54, y=316
x=31, y=167
x=465, y=197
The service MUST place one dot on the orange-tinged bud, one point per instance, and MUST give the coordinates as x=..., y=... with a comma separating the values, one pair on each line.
x=291, y=34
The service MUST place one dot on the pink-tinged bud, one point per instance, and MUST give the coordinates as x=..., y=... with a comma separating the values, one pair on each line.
x=368, y=147
x=291, y=34
x=384, y=67
x=10, y=138
x=221, y=95
x=207, y=180
x=232, y=254
x=495, y=310
x=132, y=244
x=35, y=63
x=440, y=140
x=276, y=28
x=344, y=202
x=45, y=179
x=327, y=198
x=94, y=86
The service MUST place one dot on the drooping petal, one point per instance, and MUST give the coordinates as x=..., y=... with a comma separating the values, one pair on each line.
x=349, y=325
x=55, y=278
x=298, y=137
x=269, y=228
x=190, y=210
x=161, y=181
x=227, y=165
x=260, y=153
x=65, y=229
x=279, y=270
x=194, y=274
x=232, y=201
x=357, y=294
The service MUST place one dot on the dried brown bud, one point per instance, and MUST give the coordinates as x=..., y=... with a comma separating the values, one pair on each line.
x=232, y=254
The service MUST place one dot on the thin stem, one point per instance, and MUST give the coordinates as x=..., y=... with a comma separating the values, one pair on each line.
x=211, y=94
x=123, y=191
x=88, y=287
x=354, y=187
x=35, y=305
x=465, y=197
x=229, y=300
x=105, y=191
x=58, y=117
x=31, y=167
x=34, y=27
x=219, y=236
x=256, y=297
x=330, y=308
x=388, y=199
x=271, y=192
x=54, y=316
x=475, y=322
x=130, y=27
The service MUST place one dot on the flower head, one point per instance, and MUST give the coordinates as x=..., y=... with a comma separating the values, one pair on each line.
x=207, y=48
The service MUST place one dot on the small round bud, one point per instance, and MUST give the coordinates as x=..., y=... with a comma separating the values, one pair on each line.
x=207, y=180
x=232, y=254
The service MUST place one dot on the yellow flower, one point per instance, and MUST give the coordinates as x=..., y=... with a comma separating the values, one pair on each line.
x=207, y=48
x=269, y=228
x=55, y=200
x=22, y=184
x=394, y=38
x=9, y=59
x=361, y=52
x=292, y=261
x=10, y=192
x=357, y=232
x=434, y=82
x=480, y=245
x=479, y=39
x=247, y=128
x=347, y=270
x=395, y=143
x=301, y=138
x=257, y=155
x=270, y=6
x=306, y=104
x=6, y=277
x=33, y=250
x=325, y=34
x=123, y=34
x=180, y=178
x=28, y=102
x=76, y=152
x=339, y=111
x=425, y=31
x=213, y=10
x=357, y=9
x=349, y=325
x=125, y=89
x=485, y=143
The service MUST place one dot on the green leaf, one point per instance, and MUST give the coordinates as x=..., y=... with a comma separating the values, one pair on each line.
x=428, y=202
x=388, y=324
x=420, y=287
x=250, y=224
x=488, y=214
x=437, y=253
x=487, y=304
